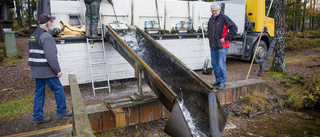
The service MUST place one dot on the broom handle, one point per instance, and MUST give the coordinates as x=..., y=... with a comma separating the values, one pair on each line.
x=115, y=15
x=254, y=55
x=204, y=41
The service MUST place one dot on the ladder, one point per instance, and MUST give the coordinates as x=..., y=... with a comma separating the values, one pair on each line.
x=98, y=62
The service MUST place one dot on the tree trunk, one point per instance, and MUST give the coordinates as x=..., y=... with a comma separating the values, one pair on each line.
x=29, y=14
x=297, y=17
x=278, y=62
x=313, y=13
x=18, y=9
x=33, y=9
x=304, y=15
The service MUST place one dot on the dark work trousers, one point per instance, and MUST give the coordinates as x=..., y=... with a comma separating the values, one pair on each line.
x=39, y=99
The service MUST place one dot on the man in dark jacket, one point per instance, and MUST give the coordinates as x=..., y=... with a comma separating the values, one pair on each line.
x=45, y=68
x=92, y=17
x=218, y=27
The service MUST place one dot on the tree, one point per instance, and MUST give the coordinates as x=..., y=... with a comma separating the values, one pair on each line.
x=18, y=12
x=304, y=14
x=313, y=14
x=289, y=14
x=297, y=17
x=278, y=62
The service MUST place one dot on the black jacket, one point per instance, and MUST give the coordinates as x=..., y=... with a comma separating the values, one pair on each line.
x=36, y=52
x=220, y=26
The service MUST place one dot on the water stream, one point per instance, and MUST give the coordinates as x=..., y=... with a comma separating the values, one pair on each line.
x=287, y=124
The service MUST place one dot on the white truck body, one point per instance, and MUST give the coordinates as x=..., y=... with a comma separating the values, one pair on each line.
x=73, y=56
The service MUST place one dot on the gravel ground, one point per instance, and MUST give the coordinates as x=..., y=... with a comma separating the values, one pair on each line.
x=16, y=83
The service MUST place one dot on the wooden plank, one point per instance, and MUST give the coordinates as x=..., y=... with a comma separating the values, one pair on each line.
x=119, y=115
x=81, y=123
x=42, y=131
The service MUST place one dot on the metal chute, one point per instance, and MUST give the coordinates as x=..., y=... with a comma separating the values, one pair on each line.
x=195, y=110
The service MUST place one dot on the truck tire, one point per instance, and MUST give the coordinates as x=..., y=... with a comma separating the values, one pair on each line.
x=261, y=52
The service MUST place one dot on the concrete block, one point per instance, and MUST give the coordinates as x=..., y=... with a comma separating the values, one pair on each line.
x=145, y=113
x=229, y=95
x=263, y=86
x=166, y=113
x=254, y=88
x=221, y=94
x=236, y=94
x=96, y=121
x=156, y=110
x=243, y=92
x=100, y=114
x=133, y=116
x=108, y=120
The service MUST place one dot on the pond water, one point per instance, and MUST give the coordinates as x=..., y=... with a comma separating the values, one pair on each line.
x=287, y=124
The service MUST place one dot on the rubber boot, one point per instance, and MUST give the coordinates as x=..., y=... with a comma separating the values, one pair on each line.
x=94, y=33
x=88, y=34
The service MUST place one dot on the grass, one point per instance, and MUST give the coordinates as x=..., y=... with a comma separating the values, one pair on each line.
x=294, y=60
x=295, y=97
x=15, y=107
x=256, y=100
x=301, y=92
x=8, y=61
x=274, y=74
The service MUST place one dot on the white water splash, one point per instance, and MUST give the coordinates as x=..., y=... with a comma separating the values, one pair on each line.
x=189, y=119
x=130, y=39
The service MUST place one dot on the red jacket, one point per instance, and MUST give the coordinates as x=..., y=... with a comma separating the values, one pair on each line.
x=220, y=26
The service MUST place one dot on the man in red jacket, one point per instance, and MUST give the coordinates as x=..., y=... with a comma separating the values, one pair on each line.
x=218, y=27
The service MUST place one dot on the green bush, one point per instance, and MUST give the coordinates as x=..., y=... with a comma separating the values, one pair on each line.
x=297, y=44
x=315, y=33
x=311, y=94
x=307, y=95
x=2, y=55
x=295, y=98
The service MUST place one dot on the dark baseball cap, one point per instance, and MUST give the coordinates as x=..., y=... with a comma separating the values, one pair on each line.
x=44, y=18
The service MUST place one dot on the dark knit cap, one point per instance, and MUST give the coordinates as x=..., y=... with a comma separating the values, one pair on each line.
x=44, y=18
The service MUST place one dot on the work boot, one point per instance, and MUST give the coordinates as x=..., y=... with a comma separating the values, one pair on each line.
x=66, y=114
x=88, y=34
x=221, y=86
x=94, y=34
x=215, y=83
x=42, y=120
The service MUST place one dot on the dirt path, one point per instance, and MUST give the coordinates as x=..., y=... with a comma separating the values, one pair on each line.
x=15, y=83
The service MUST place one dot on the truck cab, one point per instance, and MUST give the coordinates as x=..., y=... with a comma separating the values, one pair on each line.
x=250, y=15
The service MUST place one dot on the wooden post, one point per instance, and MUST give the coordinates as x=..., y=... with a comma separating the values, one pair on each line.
x=119, y=115
x=138, y=74
x=81, y=124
